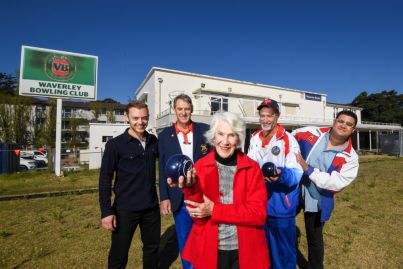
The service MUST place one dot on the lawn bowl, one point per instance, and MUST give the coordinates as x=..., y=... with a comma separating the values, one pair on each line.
x=178, y=165
x=269, y=169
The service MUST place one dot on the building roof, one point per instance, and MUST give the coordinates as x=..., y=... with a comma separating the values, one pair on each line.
x=153, y=69
x=344, y=106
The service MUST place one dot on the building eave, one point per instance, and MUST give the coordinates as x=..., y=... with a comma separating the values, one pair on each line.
x=344, y=106
x=154, y=69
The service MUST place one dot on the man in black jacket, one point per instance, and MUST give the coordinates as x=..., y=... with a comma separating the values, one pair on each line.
x=131, y=156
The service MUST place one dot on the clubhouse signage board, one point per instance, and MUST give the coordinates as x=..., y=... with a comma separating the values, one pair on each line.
x=58, y=74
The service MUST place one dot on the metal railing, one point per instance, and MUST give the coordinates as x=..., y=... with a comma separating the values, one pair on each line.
x=246, y=107
x=305, y=119
x=380, y=123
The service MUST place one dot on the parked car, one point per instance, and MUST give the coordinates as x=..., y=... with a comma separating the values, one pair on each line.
x=41, y=157
x=41, y=163
x=27, y=164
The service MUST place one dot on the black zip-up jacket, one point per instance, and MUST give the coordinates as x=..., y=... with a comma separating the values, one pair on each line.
x=134, y=169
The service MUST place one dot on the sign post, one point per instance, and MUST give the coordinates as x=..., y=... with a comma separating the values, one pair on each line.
x=58, y=74
x=58, y=143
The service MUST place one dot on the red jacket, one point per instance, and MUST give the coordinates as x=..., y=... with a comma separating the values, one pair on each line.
x=248, y=213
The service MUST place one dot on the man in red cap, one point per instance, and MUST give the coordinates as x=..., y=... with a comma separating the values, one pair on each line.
x=272, y=143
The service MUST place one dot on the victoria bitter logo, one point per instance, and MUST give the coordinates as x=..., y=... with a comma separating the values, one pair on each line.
x=60, y=67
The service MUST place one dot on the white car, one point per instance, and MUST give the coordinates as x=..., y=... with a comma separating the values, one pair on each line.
x=35, y=154
x=27, y=164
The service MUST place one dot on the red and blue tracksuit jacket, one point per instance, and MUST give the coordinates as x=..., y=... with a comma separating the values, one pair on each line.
x=283, y=194
x=342, y=171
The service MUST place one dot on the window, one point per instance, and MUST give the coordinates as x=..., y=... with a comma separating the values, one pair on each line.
x=66, y=125
x=250, y=108
x=119, y=112
x=40, y=111
x=106, y=138
x=38, y=153
x=67, y=112
x=218, y=104
x=40, y=114
x=290, y=109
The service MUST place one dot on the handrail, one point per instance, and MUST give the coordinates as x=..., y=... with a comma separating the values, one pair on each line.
x=379, y=123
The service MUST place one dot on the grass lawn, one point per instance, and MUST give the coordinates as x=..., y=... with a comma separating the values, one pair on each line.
x=44, y=181
x=63, y=232
x=365, y=229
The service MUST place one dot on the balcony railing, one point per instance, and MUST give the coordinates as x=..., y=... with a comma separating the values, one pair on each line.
x=247, y=109
x=380, y=123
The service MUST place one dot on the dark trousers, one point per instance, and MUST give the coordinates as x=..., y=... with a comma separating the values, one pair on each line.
x=150, y=229
x=228, y=259
x=314, y=235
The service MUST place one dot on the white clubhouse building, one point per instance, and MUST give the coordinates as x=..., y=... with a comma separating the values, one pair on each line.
x=211, y=94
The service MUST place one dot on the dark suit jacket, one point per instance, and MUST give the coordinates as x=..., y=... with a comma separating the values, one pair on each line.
x=168, y=145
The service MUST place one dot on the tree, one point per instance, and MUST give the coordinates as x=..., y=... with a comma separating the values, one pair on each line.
x=110, y=112
x=8, y=84
x=386, y=106
x=96, y=109
x=7, y=90
x=47, y=134
x=22, y=120
x=15, y=119
x=15, y=113
x=6, y=119
x=75, y=134
x=106, y=106
x=110, y=100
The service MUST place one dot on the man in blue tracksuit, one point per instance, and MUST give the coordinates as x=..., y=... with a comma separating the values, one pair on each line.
x=272, y=143
x=330, y=164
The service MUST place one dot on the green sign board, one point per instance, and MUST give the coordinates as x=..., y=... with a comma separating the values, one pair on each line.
x=58, y=74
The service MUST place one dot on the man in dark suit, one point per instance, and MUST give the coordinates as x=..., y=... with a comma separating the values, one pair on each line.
x=183, y=137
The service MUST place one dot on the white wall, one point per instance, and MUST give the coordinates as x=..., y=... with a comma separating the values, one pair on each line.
x=332, y=110
x=188, y=83
x=176, y=82
x=148, y=93
x=96, y=146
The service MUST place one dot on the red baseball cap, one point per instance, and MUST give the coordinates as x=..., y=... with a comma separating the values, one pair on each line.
x=270, y=103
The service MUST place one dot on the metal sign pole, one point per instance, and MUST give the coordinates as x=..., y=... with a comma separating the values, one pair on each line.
x=58, y=136
x=401, y=142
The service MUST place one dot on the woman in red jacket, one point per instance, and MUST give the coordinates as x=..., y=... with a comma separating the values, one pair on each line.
x=226, y=197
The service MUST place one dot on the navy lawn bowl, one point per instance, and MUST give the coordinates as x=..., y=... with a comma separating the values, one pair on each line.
x=177, y=165
x=269, y=169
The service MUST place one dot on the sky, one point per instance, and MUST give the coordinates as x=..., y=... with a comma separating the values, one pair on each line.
x=339, y=48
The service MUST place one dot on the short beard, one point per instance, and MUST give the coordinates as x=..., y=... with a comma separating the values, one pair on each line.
x=268, y=128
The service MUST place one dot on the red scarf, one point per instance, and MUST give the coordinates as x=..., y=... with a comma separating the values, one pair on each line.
x=185, y=133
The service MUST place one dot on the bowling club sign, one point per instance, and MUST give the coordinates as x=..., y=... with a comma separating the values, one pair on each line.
x=58, y=74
